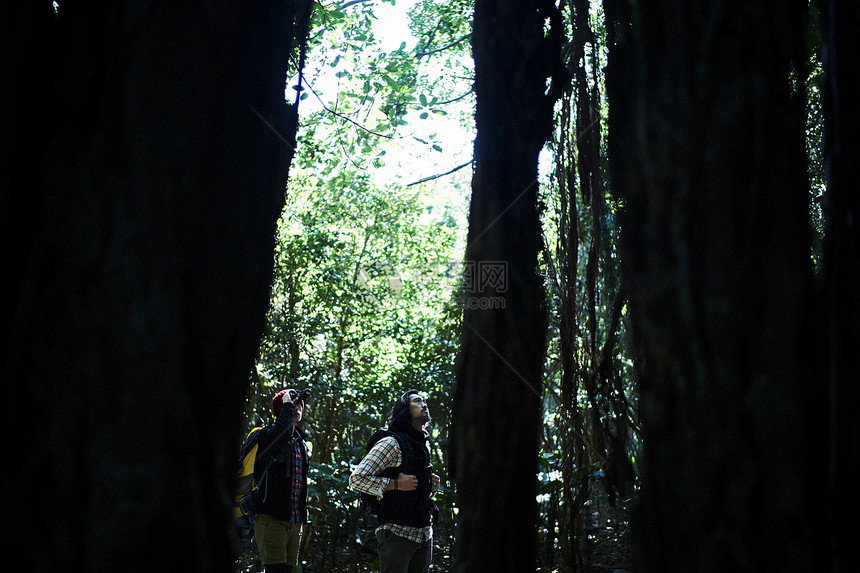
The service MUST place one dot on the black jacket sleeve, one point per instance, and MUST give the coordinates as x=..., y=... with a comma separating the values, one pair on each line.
x=273, y=436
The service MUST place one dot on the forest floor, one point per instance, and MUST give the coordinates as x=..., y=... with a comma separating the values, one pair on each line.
x=610, y=550
x=606, y=549
x=606, y=546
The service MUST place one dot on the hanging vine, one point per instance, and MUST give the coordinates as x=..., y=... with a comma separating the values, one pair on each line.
x=594, y=392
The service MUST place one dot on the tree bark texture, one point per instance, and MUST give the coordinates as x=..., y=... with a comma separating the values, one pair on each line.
x=840, y=20
x=707, y=150
x=145, y=152
x=497, y=415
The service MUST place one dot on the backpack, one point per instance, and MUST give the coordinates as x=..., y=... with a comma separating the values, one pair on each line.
x=368, y=501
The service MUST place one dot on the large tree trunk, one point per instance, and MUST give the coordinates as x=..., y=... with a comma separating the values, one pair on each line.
x=145, y=151
x=497, y=416
x=841, y=51
x=708, y=153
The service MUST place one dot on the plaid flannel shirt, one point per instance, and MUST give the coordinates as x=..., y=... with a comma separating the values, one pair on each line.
x=383, y=455
x=296, y=486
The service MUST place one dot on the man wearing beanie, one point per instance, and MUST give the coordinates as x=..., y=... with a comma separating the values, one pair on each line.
x=281, y=469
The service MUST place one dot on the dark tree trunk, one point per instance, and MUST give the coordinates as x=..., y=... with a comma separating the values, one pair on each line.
x=840, y=20
x=145, y=152
x=497, y=417
x=708, y=152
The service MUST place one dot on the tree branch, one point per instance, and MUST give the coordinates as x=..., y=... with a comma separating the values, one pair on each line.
x=443, y=48
x=437, y=176
x=458, y=98
x=340, y=115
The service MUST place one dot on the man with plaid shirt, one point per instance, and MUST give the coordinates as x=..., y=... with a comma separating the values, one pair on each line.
x=397, y=471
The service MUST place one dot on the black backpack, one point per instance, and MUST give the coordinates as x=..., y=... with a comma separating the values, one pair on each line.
x=370, y=502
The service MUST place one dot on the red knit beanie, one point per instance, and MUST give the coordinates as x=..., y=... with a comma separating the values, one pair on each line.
x=277, y=402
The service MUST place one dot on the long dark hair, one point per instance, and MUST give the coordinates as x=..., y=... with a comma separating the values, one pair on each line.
x=399, y=418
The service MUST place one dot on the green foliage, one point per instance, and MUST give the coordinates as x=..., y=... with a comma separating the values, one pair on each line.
x=353, y=282
x=359, y=312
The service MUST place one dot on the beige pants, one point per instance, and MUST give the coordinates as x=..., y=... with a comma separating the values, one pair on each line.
x=279, y=541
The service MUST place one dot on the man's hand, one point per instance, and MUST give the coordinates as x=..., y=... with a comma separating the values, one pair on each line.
x=436, y=481
x=404, y=482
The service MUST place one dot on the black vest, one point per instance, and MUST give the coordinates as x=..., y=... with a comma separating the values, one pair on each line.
x=412, y=508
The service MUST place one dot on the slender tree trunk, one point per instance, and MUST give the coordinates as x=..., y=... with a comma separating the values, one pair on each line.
x=145, y=151
x=840, y=20
x=497, y=415
x=709, y=156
